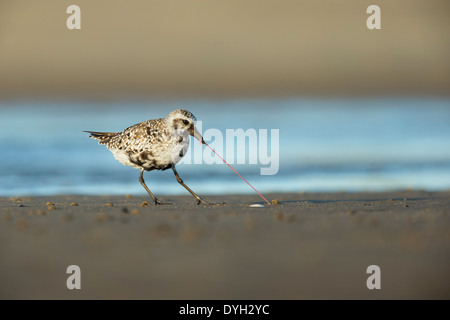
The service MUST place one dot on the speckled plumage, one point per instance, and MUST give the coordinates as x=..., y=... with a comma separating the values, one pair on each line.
x=152, y=144
x=156, y=144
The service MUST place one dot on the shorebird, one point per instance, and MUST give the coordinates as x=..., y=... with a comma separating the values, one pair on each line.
x=157, y=144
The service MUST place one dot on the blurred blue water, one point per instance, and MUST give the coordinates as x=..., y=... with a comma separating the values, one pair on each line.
x=325, y=145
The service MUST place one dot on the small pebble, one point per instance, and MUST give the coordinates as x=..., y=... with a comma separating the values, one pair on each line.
x=144, y=204
x=51, y=208
x=21, y=205
x=74, y=204
x=256, y=205
x=109, y=204
x=49, y=203
x=275, y=201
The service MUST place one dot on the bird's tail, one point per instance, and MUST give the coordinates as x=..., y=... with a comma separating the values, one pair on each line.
x=102, y=137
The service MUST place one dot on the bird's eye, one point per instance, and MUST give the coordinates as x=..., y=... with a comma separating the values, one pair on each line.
x=186, y=122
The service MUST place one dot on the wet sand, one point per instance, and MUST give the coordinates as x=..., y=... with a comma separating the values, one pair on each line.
x=310, y=246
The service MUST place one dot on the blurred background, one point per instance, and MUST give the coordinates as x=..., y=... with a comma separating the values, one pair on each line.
x=357, y=109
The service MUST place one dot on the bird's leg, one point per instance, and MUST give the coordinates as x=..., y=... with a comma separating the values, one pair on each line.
x=180, y=181
x=141, y=180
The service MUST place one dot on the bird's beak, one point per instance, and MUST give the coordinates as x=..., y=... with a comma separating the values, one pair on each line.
x=194, y=132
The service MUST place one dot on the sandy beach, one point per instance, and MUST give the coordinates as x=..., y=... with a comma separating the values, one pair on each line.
x=309, y=246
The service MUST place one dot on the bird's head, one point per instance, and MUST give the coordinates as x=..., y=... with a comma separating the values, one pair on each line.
x=184, y=120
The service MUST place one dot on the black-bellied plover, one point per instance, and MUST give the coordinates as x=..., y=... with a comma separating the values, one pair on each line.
x=157, y=144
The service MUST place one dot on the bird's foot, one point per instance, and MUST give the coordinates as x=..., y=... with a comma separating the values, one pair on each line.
x=157, y=202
